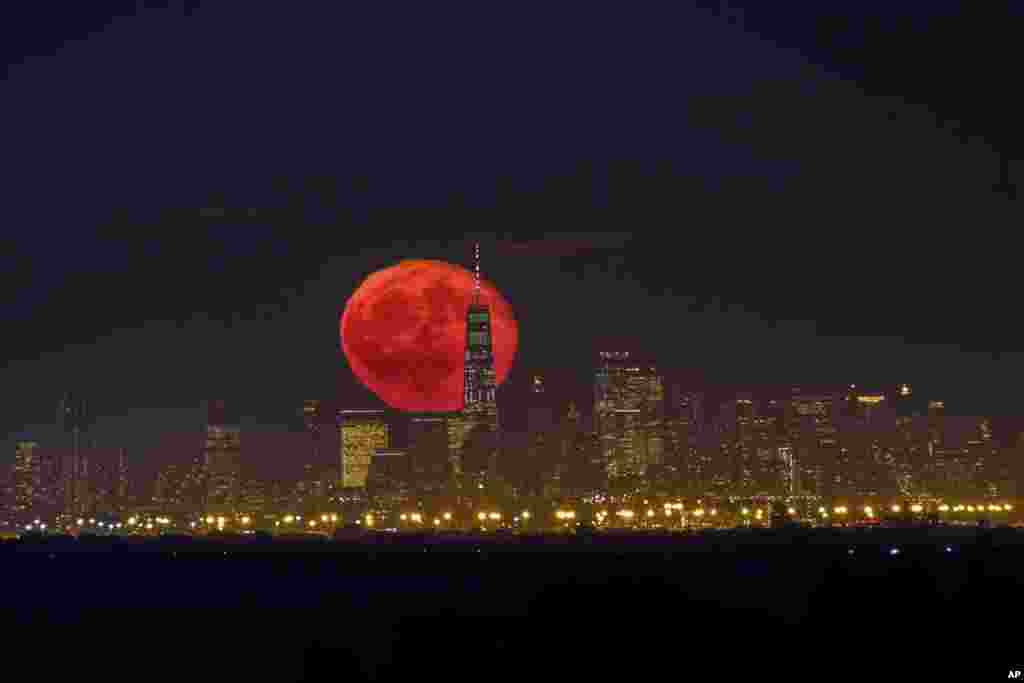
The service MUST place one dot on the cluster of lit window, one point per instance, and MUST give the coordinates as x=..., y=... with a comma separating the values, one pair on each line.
x=360, y=438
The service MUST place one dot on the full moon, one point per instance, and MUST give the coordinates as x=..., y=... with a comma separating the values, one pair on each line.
x=403, y=332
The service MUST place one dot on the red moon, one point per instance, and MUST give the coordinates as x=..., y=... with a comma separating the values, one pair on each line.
x=404, y=334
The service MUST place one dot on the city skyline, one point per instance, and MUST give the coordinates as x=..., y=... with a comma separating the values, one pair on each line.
x=698, y=440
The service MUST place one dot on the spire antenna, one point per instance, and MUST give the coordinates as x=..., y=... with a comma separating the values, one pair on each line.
x=476, y=281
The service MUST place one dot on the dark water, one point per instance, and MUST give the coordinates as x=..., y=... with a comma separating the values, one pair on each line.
x=739, y=605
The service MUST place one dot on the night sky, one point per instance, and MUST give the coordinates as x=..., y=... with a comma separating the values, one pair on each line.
x=191, y=191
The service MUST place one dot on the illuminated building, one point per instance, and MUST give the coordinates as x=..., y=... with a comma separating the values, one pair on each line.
x=27, y=479
x=581, y=470
x=253, y=497
x=812, y=442
x=362, y=432
x=221, y=462
x=169, y=488
x=628, y=413
x=685, y=429
x=321, y=473
x=474, y=431
x=547, y=443
x=104, y=481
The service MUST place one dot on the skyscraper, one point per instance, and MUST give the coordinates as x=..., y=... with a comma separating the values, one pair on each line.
x=628, y=412
x=73, y=420
x=687, y=425
x=362, y=433
x=27, y=479
x=320, y=420
x=221, y=461
x=473, y=432
x=428, y=451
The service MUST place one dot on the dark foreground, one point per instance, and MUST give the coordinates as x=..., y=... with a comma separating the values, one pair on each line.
x=821, y=605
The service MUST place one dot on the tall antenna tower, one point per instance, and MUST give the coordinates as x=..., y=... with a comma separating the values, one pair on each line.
x=476, y=283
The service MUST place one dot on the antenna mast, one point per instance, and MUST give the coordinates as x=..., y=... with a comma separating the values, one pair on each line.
x=476, y=282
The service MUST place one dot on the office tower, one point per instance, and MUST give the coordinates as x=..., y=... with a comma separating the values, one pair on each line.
x=474, y=431
x=193, y=489
x=320, y=420
x=736, y=426
x=387, y=479
x=428, y=453
x=871, y=462
x=808, y=440
x=168, y=490
x=628, y=411
x=311, y=492
x=547, y=443
x=6, y=494
x=221, y=461
x=902, y=398
x=27, y=480
x=103, y=481
x=253, y=498
x=362, y=432
x=582, y=471
x=1015, y=468
x=771, y=471
x=313, y=421
x=685, y=426
x=73, y=420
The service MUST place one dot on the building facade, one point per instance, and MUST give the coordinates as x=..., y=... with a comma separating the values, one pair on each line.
x=28, y=480
x=628, y=413
x=362, y=433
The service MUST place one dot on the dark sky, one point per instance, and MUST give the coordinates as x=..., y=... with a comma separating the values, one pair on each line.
x=191, y=191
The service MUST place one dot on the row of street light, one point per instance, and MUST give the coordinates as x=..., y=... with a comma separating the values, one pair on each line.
x=563, y=515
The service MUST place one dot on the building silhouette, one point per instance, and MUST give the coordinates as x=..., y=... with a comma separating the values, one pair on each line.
x=429, y=461
x=222, y=461
x=73, y=420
